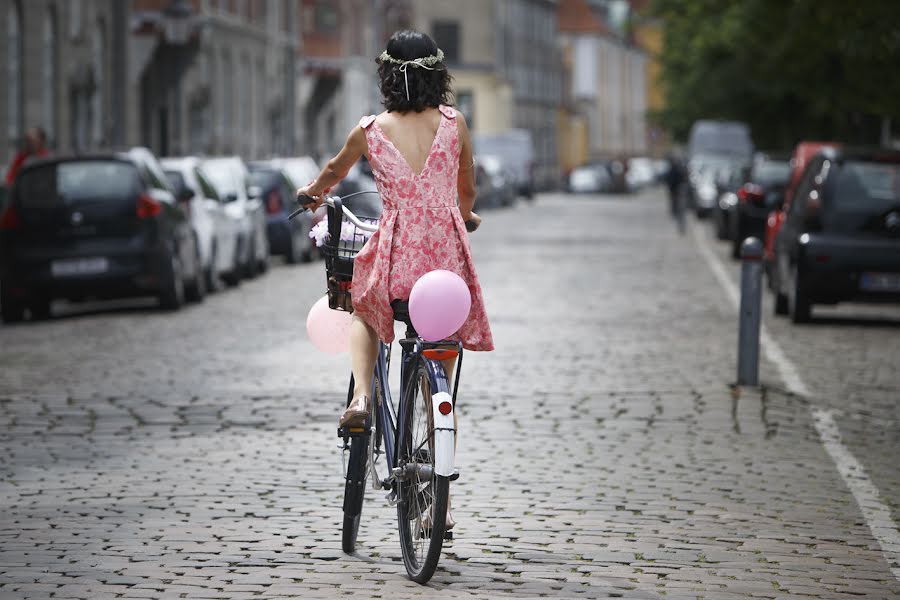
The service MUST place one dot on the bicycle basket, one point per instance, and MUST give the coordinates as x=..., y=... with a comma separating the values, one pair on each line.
x=344, y=241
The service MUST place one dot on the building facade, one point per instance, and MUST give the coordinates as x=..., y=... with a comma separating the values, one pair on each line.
x=336, y=74
x=505, y=61
x=604, y=113
x=64, y=72
x=178, y=76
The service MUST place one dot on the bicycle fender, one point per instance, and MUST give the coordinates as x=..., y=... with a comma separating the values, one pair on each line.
x=444, y=435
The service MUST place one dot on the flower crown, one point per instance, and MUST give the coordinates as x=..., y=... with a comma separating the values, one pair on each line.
x=425, y=61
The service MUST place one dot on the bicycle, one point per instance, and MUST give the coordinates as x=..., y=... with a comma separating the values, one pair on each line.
x=414, y=440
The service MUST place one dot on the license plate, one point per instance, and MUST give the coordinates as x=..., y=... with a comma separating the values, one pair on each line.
x=880, y=282
x=78, y=266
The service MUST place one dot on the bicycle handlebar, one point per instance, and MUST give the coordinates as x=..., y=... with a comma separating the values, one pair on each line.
x=371, y=228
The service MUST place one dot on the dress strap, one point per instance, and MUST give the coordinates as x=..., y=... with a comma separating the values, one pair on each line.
x=447, y=111
x=366, y=121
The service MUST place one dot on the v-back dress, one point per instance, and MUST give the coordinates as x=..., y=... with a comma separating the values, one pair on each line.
x=421, y=230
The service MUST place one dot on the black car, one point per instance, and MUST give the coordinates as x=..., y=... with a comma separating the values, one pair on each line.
x=288, y=238
x=760, y=195
x=840, y=240
x=727, y=181
x=99, y=226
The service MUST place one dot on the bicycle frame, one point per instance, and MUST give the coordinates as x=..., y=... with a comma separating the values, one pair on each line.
x=394, y=436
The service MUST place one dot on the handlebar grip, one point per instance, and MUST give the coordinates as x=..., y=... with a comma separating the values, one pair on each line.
x=471, y=226
x=304, y=200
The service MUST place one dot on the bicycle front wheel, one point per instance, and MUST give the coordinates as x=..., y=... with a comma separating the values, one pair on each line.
x=355, y=483
x=423, y=495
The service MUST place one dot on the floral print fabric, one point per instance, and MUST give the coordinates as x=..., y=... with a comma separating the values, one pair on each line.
x=421, y=230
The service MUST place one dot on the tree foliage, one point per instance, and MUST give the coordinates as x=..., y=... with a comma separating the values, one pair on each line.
x=792, y=69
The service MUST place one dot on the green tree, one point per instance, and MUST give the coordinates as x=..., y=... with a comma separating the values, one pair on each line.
x=792, y=69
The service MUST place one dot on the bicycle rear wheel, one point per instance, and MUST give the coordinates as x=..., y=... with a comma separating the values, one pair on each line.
x=355, y=484
x=423, y=495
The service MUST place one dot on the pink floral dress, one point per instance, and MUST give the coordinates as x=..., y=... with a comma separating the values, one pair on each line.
x=421, y=230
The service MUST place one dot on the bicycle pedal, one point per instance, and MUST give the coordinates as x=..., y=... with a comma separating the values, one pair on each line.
x=344, y=432
x=448, y=536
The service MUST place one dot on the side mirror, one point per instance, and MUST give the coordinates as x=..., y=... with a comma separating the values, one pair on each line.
x=186, y=195
x=231, y=197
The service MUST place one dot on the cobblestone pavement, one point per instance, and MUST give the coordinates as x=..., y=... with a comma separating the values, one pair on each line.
x=157, y=455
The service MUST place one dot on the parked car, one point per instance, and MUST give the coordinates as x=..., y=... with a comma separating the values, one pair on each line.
x=516, y=146
x=231, y=179
x=840, y=240
x=216, y=232
x=299, y=170
x=712, y=143
x=728, y=180
x=590, y=179
x=498, y=186
x=358, y=179
x=801, y=156
x=640, y=173
x=288, y=238
x=760, y=194
x=95, y=226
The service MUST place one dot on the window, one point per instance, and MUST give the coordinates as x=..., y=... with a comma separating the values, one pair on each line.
x=205, y=186
x=76, y=10
x=14, y=80
x=227, y=98
x=326, y=17
x=465, y=102
x=446, y=36
x=48, y=75
x=98, y=102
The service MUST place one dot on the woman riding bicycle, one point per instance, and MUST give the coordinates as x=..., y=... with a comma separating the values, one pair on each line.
x=421, y=157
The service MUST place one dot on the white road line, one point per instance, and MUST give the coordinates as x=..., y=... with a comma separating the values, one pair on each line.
x=874, y=510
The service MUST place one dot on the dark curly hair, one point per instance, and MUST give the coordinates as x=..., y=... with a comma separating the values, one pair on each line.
x=427, y=88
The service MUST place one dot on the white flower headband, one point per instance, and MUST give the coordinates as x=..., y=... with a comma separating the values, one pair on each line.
x=425, y=62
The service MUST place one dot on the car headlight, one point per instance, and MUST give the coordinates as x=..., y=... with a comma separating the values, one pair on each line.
x=728, y=200
x=707, y=192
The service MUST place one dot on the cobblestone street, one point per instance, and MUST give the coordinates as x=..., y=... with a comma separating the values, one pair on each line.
x=602, y=452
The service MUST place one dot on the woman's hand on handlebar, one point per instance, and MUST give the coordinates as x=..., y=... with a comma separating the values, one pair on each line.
x=310, y=200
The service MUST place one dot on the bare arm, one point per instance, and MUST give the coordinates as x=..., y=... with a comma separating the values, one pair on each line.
x=338, y=167
x=465, y=179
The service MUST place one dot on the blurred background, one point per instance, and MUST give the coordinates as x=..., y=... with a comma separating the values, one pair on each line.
x=596, y=96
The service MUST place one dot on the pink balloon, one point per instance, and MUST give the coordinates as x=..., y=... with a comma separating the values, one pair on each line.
x=439, y=304
x=329, y=330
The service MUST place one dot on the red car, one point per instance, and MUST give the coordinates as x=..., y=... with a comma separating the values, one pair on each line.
x=799, y=159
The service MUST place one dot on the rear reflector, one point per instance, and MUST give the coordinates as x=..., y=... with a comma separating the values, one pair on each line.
x=9, y=220
x=440, y=354
x=147, y=207
x=445, y=407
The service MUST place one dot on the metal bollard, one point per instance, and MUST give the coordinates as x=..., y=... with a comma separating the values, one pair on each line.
x=751, y=298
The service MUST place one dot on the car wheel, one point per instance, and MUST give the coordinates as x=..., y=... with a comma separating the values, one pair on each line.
x=798, y=299
x=292, y=256
x=736, y=246
x=12, y=309
x=233, y=277
x=40, y=309
x=721, y=227
x=196, y=291
x=251, y=268
x=171, y=297
x=213, y=281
